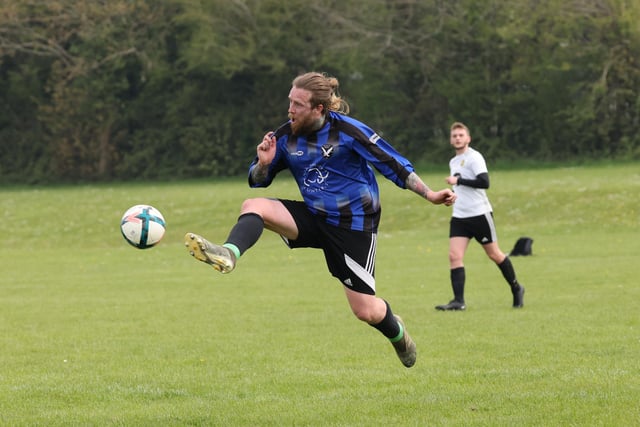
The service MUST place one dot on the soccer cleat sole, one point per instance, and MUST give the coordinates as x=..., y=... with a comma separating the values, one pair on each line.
x=198, y=249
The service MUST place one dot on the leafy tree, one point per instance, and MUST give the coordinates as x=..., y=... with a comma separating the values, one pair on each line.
x=185, y=88
x=95, y=52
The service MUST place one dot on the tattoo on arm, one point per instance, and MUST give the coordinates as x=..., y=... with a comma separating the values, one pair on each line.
x=415, y=184
x=259, y=173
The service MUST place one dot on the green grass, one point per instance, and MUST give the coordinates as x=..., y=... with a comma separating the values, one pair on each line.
x=95, y=332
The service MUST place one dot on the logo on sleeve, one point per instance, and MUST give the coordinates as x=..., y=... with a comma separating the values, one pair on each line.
x=374, y=138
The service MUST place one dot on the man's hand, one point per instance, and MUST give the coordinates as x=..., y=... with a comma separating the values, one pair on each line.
x=266, y=150
x=443, y=197
x=415, y=184
x=453, y=179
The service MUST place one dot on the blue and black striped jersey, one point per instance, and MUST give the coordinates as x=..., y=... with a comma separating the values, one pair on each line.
x=332, y=169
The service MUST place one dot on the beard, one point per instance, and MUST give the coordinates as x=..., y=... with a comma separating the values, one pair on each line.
x=306, y=125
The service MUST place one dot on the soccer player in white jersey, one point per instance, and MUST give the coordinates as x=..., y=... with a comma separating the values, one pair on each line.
x=472, y=218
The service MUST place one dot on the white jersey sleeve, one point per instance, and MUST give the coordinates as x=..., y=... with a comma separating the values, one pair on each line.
x=471, y=201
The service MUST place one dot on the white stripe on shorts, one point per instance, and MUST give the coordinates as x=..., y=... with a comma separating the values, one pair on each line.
x=492, y=226
x=365, y=273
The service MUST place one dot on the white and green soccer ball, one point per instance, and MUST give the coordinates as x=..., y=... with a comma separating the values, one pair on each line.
x=143, y=226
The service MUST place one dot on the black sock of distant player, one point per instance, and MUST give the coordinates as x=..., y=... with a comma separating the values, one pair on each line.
x=246, y=232
x=509, y=273
x=389, y=326
x=457, y=283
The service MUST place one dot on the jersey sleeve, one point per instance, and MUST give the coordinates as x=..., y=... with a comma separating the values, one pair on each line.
x=479, y=165
x=387, y=160
x=378, y=152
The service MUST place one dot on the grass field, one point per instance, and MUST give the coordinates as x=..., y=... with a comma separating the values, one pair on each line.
x=95, y=332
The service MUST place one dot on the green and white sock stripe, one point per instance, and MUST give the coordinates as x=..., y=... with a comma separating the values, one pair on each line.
x=400, y=334
x=233, y=248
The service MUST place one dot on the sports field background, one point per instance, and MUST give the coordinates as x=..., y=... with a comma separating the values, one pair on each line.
x=95, y=332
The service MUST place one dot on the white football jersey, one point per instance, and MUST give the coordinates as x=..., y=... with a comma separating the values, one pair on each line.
x=471, y=201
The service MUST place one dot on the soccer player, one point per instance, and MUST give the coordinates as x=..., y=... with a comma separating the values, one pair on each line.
x=472, y=218
x=329, y=155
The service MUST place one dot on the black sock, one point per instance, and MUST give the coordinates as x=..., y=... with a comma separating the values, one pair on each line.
x=509, y=273
x=389, y=326
x=246, y=232
x=457, y=283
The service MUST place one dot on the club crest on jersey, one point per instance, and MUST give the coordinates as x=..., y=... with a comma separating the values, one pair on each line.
x=315, y=179
x=462, y=162
x=374, y=138
x=327, y=150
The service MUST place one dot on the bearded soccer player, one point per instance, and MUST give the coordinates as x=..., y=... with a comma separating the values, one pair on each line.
x=329, y=155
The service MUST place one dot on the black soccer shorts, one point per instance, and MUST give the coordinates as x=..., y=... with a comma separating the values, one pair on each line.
x=481, y=227
x=350, y=255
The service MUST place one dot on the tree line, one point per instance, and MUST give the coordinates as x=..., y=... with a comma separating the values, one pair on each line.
x=96, y=90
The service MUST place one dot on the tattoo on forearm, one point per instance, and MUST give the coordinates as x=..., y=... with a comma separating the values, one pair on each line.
x=259, y=173
x=415, y=184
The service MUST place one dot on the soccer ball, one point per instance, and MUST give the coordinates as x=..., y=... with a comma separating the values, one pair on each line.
x=142, y=226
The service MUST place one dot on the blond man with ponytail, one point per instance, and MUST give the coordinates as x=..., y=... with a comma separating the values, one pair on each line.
x=331, y=156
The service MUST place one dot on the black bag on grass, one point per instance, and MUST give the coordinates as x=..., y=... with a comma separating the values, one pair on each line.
x=522, y=247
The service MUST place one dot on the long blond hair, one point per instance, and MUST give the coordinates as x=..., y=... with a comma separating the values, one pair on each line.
x=324, y=91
